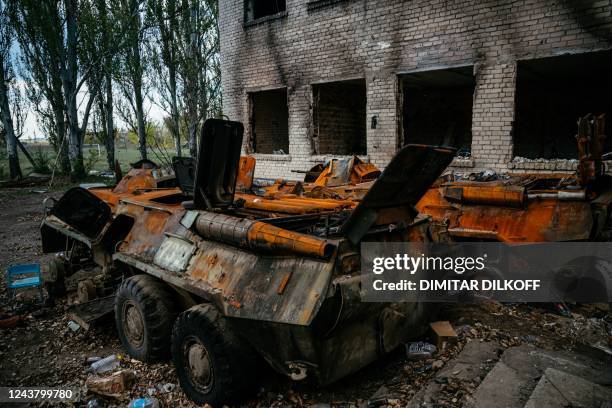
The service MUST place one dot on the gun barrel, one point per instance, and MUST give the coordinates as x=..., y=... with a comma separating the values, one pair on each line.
x=258, y=235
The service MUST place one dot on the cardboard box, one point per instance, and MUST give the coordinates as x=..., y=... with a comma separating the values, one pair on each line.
x=442, y=334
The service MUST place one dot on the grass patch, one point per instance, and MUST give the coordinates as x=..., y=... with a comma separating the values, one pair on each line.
x=45, y=159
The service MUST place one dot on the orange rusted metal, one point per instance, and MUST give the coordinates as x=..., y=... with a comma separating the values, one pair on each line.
x=260, y=235
x=507, y=215
x=292, y=205
x=246, y=172
x=510, y=196
x=353, y=171
x=284, y=282
x=264, y=235
x=136, y=179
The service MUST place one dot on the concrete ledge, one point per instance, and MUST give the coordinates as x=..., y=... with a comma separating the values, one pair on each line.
x=271, y=157
x=319, y=4
x=318, y=158
x=549, y=165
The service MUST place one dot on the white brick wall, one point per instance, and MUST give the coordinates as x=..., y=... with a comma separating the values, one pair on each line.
x=379, y=39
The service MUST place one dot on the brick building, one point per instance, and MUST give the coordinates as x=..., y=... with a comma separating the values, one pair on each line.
x=503, y=81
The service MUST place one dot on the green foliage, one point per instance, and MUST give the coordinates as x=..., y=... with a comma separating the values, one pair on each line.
x=91, y=160
x=42, y=161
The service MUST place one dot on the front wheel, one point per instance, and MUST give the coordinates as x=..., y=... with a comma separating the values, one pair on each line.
x=212, y=364
x=145, y=312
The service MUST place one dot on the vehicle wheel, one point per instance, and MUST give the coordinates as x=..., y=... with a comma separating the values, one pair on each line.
x=145, y=313
x=212, y=364
x=53, y=278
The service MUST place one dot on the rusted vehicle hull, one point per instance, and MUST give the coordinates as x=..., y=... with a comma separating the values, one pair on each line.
x=507, y=218
x=278, y=275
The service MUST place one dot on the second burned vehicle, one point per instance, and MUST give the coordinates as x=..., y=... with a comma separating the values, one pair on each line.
x=223, y=280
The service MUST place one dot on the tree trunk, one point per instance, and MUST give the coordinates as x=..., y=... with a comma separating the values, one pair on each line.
x=174, y=111
x=62, y=147
x=7, y=122
x=110, y=127
x=192, y=73
x=142, y=136
x=69, y=78
x=138, y=99
x=192, y=110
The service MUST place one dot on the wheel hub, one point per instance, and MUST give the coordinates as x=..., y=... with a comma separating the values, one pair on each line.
x=200, y=364
x=133, y=324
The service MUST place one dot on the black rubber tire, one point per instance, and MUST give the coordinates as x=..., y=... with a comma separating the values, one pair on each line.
x=151, y=300
x=230, y=361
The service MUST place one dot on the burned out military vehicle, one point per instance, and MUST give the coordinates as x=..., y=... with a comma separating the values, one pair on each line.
x=528, y=208
x=223, y=279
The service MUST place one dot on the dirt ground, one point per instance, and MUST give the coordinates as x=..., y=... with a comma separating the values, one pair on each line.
x=43, y=351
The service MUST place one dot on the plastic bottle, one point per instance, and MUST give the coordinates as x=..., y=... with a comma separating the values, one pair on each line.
x=144, y=403
x=93, y=404
x=106, y=364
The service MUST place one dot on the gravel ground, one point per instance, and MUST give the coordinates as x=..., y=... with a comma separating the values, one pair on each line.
x=42, y=351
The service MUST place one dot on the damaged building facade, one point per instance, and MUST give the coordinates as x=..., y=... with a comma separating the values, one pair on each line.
x=502, y=81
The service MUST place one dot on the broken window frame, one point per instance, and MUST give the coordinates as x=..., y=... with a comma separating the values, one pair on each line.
x=314, y=134
x=251, y=142
x=545, y=72
x=249, y=13
x=402, y=139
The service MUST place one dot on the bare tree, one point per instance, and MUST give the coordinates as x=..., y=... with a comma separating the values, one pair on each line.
x=133, y=67
x=162, y=15
x=49, y=32
x=199, y=64
x=42, y=77
x=185, y=58
x=100, y=38
x=6, y=41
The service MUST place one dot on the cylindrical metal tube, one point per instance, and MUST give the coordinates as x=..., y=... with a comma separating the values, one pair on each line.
x=292, y=205
x=259, y=235
x=511, y=196
x=578, y=195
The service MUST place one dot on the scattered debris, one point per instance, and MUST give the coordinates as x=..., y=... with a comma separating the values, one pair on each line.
x=168, y=387
x=382, y=398
x=91, y=311
x=93, y=403
x=419, y=350
x=144, y=403
x=113, y=386
x=443, y=334
x=74, y=326
x=10, y=321
x=106, y=364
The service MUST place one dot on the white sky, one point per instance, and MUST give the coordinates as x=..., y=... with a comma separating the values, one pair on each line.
x=33, y=130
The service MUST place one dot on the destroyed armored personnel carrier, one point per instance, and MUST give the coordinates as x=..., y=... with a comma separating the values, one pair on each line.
x=527, y=208
x=224, y=280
